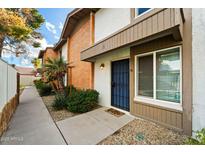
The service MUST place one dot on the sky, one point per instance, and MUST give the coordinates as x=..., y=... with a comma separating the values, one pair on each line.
x=51, y=31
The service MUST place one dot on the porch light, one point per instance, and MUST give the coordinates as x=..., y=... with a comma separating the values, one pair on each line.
x=102, y=66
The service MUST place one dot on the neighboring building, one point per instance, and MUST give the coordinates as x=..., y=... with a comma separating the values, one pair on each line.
x=25, y=70
x=27, y=75
x=143, y=64
x=77, y=35
x=45, y=54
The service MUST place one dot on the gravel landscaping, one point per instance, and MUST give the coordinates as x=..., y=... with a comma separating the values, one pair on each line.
x=143, y=132
x=57, y=115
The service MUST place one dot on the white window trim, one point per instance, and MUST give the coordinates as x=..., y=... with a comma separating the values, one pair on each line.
x=136, y=15
x=154, y=101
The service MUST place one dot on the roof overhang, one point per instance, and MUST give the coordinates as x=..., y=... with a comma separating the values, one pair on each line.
x=59, y=44
x=41, y=53
x=72, y=18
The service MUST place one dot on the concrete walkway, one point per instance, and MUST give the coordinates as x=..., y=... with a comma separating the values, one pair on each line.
x=91, y=127
x=32, y=123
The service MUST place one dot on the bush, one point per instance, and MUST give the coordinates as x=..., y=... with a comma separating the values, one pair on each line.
x=82, y=100
x=59, y=102
x=39, y=83
x=199, y=140
x=45, y=89
x=70, y=88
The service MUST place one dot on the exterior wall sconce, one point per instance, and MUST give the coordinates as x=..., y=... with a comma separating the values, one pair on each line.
x=102, y=66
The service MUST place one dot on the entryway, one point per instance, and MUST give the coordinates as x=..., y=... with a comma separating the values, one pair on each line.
x=120, y=84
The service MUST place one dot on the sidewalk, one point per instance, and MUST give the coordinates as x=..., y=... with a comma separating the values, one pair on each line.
x=92, y=127
x=32, y=123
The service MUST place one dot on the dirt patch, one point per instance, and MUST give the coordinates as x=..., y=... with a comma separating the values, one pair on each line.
x=115, y=112
x=143, y=132
x=57, y=115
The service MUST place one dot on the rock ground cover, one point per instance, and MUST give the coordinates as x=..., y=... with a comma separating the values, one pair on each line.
x=57, y=115
x=143, y=132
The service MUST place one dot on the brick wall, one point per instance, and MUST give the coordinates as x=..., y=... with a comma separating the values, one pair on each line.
x=81, y=73
x=50, y=53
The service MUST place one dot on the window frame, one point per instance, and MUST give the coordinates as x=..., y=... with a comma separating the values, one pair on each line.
x=154, y=101
x=136, y=14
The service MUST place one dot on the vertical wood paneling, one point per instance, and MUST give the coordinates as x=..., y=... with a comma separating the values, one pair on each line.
x=135, y=30
x=144, y=29
x=179, y=120
x=149, y=26
x=159, y=115
x=166, y=117
x=140, y=30
x=155, y=24
x=118, y=39
x=121, y=38
x=173, y=119
x=124, y=37
x=167, y=19
x=160, y=18
x=172, y=16
x=177, y=16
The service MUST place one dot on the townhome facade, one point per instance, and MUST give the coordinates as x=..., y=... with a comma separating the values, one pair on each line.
x=49, y=52
x=143, y=64
x=77, y=35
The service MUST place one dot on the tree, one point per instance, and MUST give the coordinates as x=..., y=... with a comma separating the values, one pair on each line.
x=36, y=63
x=55, y=70
x=18, y=28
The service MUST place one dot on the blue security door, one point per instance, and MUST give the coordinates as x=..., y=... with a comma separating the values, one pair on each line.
x=120, y=84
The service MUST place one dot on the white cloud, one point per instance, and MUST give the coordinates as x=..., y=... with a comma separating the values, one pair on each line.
x=50, y=27
x=25, y=62
x=60, y=26
x=34, y=51
x=56, y=37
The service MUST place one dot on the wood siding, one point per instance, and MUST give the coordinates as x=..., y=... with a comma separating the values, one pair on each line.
x=157, y=21
x=180, y=120
x=166, y=117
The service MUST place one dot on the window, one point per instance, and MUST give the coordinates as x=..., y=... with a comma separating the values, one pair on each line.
x=168, y=76
x=139, y=11
x=145, y=81
x=158, y=76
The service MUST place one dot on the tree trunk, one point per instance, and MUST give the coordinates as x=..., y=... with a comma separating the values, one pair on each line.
x=1, y=45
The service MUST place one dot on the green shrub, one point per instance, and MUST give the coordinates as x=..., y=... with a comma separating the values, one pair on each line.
x=200, y=138
x=45, y=89
x=70, y=88
x=39, y=83
x=59, y=102
x=82, y=100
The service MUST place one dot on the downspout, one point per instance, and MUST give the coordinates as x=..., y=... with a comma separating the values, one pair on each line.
x=92, y=41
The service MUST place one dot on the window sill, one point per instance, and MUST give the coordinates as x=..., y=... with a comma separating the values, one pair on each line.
x=160, y=103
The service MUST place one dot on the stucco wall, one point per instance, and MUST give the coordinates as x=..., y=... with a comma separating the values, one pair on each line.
x=198, y=60
x=110, y=20
x=65, y=57
x=64, y=51
x=27, y=80
x=102, y=79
